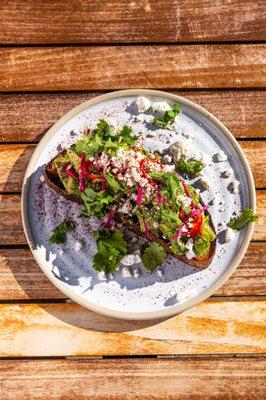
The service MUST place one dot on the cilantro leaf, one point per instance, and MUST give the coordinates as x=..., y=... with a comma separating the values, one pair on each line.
x=90, y=145
x=113, y=184
x=59, y=233
x=126, y=135
x=152, y=256
x=173, y=185
x=190, y=167
x=244, y=218
x=167, y=120
x=111, y=248
x=105, y=130
x=95, y=203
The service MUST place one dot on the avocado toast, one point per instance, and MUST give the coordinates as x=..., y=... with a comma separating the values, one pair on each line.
x=117, y=180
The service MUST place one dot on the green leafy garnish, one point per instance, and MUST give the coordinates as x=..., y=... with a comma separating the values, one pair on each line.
x=59, y=234
x=90, y=145
x=111, y=248
x=167, y=120
x=202, y=243
x=105, y=130
x=152, y=256
x=168, y=221
x=173, y=185
x=190, y=167
x=244, y=218
x=95, y=203
x=112, y=183
x=126, y=136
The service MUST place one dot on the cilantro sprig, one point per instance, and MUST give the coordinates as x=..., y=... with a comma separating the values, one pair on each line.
x=167, y=120
x=152, y=256
x=244, y=218
x=95, y=203
x=190, y=167
x=111, y=248
x=59, y=234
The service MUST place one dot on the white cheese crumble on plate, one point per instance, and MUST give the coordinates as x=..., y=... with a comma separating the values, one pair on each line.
x=160, y=107
x=143, y=104
x=221, y=156
x=229, y=235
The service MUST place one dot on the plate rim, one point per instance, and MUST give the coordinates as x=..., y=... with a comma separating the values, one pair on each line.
x=178, y=308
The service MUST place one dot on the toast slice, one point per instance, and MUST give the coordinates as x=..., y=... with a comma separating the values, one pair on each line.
x=53, y=180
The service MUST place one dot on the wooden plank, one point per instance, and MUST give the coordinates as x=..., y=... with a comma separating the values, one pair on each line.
x=11, y=231
x=26, y=117
x=59, y=329
x=14, y=159
x=114, y=67
x=107, y=21
x=133, y=379
x=21, y=278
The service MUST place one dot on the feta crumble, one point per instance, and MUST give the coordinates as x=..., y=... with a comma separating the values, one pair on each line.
x=184, y=200
x=136, y=272
x=204, y=182
x=126, y=273
x=167, y=158
x=159, y=272
x=229, y=235
x=203, y=157
x=178, y=149
x=221, y=156
x=42, y=178
x=143, y=104
x=234, y=187
x=78, y=245
x=128, y=260
x=102, y=276
x=228, y=172
x=190, y=253
x=160, y=107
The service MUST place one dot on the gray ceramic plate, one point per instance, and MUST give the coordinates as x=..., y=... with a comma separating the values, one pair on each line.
x=149, y=295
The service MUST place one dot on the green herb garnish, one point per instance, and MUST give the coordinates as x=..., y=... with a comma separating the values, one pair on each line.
x=111, y=248
x=190, y=167
x=95, y=203
x=244, y=218
x=152, y=256
x=112, y=183
x=167, y=120
x=59, y=234
x=126, y=136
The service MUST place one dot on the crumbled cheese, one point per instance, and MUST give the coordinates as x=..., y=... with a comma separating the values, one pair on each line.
x=229, y=235
x=221, y=156
x=160, y=107
x=61, y=252
x=228, y=172
x=203, y=157
x=126, y=208
x=204, y=182
x=102, y=276
x=178, y=149
x=78, y=245
x=128, y=260
x=185, y=201
x=167, y=159
x=110, y=276
x=137, y=259
x=221, y=209
x=234, y=186
x=42, y=178
x=126, y=273
x=136, y=272
x=143, y=104
x=190, y=253
x=169, y=168
x=159, y=272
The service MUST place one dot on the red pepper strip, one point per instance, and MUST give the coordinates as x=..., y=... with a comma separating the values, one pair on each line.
x=186, y=189
x=197, y=226
x=70, y=171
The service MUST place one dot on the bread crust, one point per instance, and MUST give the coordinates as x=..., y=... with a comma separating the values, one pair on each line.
x=53, y=181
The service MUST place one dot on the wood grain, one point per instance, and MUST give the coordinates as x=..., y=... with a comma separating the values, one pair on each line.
x=91, y=21
x=11, y=231
x=114, y=67
x=21, y=278
x=14, y=159
x=26, y=117
x=134, y=379
x=58, y=329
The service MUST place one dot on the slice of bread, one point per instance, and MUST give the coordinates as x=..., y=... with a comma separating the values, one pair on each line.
x=53, y=181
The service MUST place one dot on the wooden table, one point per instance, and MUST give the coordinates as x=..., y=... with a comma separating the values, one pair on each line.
x=57, y=54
